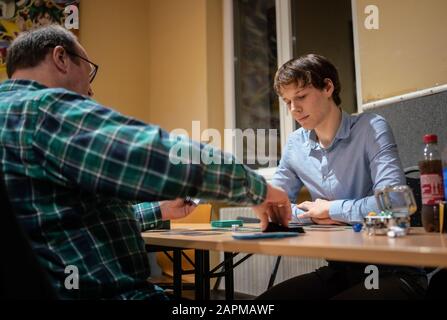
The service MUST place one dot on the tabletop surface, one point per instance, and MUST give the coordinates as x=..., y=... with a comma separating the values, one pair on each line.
x=417, y=248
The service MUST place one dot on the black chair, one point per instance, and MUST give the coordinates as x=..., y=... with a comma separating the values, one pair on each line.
x=413, y=181
x=22, y=277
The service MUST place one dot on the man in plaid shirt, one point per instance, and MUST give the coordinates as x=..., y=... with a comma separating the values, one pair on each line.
x=81, y=177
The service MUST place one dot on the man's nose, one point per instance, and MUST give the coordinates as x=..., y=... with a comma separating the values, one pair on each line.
x=294, y=107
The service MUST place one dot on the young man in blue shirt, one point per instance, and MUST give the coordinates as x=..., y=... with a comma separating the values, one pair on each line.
x=341, y=159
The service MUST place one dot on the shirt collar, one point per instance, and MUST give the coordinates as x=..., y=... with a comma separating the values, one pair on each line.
x=343, y=132
x=17, y=84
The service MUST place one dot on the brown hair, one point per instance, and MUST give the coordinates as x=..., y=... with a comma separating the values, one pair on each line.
x=308, y=69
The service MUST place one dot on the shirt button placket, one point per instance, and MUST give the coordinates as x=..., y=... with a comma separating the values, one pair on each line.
x=324, y=166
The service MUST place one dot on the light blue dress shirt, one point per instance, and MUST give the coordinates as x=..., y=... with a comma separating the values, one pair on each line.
x=362, y=157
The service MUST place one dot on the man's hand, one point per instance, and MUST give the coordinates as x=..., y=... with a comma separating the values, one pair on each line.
x=318, y=209
x=276, y=206
x=176, y=209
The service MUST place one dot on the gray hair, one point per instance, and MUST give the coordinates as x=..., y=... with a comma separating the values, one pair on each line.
x=30, y=48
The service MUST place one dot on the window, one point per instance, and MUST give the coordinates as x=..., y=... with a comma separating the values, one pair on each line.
x=255, y=64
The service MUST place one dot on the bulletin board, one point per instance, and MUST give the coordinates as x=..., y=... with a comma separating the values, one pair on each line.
x=17, y=16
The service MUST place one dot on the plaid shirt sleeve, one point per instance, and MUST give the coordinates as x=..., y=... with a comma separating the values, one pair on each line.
x=84, y=144
x=148, y=214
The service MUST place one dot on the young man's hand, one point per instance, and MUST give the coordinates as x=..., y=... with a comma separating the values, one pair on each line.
x=276, y=206
x=318, y=212
x=176, y=209
x=318, y=209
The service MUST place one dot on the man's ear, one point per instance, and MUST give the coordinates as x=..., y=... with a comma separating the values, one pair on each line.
x=60, y=59
x=329, y=86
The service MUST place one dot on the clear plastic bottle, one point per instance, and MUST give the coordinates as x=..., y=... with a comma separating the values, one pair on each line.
x=432, y=189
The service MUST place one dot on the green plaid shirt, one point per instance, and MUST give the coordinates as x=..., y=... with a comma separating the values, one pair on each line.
x=75, y=171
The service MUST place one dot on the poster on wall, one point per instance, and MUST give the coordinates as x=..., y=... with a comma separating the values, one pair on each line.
x=17, y=16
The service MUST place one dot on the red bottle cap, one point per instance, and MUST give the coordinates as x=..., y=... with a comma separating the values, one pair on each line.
x=430, y=138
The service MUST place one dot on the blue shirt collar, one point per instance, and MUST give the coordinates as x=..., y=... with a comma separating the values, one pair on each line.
x=343, y=132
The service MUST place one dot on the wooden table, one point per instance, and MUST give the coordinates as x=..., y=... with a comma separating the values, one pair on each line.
x=416, y=249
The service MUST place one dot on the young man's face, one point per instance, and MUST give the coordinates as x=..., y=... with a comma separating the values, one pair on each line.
x=308, y=105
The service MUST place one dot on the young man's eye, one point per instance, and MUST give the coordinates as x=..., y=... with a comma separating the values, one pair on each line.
x=301, y=97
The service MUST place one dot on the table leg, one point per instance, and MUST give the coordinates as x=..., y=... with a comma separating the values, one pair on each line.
x=199, y=280
x=206, y=275
x=229, y=281
x=177, y=273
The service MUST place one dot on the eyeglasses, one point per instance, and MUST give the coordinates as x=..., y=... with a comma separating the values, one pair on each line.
x=94, y=66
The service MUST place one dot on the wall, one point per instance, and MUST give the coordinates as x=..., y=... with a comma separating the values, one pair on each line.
x=185, y=65
x=407, y=53
x=160, y=61
x=214, y=42
x=115, y=36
